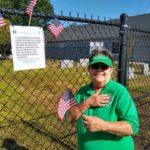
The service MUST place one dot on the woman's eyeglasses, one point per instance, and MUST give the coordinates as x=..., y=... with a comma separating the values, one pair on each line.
x=99, y=66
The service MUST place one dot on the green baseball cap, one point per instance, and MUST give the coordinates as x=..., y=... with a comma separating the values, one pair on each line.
x=100, y=58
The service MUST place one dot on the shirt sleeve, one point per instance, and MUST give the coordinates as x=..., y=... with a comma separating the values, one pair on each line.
x=127, y=110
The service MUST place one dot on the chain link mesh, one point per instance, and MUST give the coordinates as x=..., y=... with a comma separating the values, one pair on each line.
x=138, y=84
x=28, y=103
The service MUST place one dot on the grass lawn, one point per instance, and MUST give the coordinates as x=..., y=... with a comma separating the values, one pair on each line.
x=29, y=102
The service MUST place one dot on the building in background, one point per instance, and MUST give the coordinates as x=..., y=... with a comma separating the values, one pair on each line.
x=76, y=42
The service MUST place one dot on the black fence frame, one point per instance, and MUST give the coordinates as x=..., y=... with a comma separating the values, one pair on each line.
x=123, y=55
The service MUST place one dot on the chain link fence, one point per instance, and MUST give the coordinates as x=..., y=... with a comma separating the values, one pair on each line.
x=138, y=84
x=29, y=98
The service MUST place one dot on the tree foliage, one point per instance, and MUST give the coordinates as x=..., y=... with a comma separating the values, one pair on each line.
x=42, y=6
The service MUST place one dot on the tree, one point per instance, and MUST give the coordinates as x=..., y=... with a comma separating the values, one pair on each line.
x=43, y=6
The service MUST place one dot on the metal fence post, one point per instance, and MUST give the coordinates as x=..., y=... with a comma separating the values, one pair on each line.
x=122, y=67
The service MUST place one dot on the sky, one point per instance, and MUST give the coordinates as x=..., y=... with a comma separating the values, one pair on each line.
x=101, y=8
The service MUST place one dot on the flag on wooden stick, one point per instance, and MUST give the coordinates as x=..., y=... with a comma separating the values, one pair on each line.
x=29, y=8
x=66, y=102
x=55, y=28
x=2, y=21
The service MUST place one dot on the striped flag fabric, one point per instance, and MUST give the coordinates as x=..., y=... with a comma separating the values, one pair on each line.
x=2, y=21
x=55, y=28
x=65, y=103
x=30, y=7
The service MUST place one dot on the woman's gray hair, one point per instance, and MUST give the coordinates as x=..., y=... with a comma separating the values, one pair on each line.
x=101, y=50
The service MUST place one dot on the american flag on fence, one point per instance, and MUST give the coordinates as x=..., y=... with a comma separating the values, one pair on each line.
x=55, y=28
x=66, y=102
x=2, y=22
x=30, y=7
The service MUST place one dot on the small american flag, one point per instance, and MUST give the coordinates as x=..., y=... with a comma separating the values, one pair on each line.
x=55, y=28
x=30, y=7
x=2, y=22
x=66, y=102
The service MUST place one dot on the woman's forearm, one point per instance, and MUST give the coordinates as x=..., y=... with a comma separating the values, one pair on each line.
x=94, y=124
x=77, y=111
x=120, y=128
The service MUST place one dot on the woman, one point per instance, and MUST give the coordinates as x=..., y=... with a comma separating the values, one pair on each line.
x=106, y=115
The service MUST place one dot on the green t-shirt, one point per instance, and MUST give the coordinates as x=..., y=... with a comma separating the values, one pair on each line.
x=120, y=107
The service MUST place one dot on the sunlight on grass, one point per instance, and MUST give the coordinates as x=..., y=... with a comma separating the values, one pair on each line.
x=29, y=102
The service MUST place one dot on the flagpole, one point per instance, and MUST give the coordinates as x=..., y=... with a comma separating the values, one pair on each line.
x=80, y=110
x=30, y=19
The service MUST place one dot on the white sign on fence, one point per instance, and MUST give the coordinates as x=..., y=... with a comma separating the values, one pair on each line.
x=28, y=47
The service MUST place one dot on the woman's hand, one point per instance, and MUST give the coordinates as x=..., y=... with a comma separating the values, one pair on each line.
x=93, y=123
x=93, y=101
x=120, y=128
x=97, y=100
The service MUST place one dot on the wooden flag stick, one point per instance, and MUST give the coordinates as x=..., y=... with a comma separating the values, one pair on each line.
x=30, y=19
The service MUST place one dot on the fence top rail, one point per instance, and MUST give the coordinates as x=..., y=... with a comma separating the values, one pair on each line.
x=114, y=22
x=61, y=17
